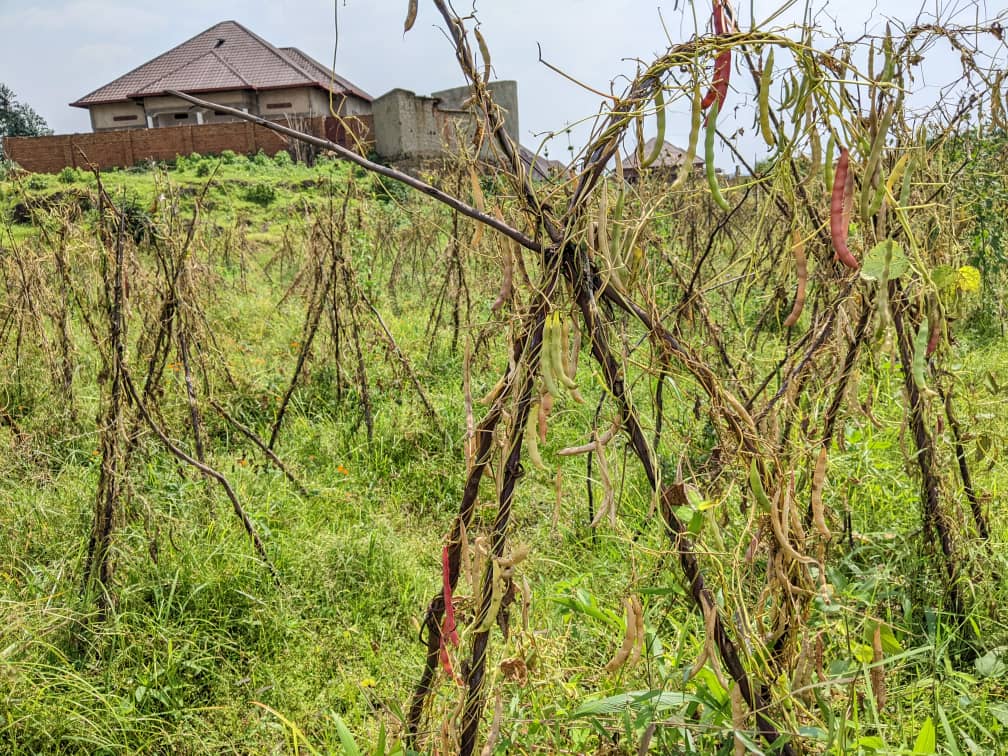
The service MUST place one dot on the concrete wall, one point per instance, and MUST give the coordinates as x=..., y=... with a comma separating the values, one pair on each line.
x=118, y=115
x=405, y=126
x=350, y=105
x=172, y=111
x=505, y=94
x=409, y=127
x=275, y=104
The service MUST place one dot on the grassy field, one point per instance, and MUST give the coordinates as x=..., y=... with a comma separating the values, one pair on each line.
x=201, y=651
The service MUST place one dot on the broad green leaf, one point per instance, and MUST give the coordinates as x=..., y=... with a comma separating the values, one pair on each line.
x=944, y=277
x=991, y=664
x=633, y=699
x=872, y=743
x=815, y=733
x=890, y=645
x=889, y=642
x=863, y=653
x=1000, y=712
x=886, y=261
x=927, y=738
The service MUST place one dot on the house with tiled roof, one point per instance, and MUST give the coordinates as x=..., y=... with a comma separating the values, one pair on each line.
x=667, y=163
x=229, y=65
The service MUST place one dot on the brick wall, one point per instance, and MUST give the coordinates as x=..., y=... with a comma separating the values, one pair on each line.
x=112, y=149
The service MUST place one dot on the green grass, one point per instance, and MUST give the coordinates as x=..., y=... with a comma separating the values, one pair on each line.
x=203, y=653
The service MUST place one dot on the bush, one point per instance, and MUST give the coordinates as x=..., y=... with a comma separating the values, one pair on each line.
x=261, y=194
x=283, y=159
x=183, y=163
x=37, y=182
x=261, y=159
x=228, y=157
x=69, y=175
x=203, y=169
x=386, y=190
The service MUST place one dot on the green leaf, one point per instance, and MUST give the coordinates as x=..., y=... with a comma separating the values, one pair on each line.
x=927, y=738
x=633, y=699
x=889, y=643
x=1000, y=712
x=886, y=261
x=872, y=743
x=346, y=738
x=945, y=277
x=952, y=744
x=863, y=653
x=991, y=664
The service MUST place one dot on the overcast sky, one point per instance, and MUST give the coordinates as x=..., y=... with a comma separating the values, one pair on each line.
x=54, y=51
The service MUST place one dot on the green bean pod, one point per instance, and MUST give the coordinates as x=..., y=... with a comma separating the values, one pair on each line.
x=659, y=101
x=764, y=101
x=712, y=181
x=696, y=116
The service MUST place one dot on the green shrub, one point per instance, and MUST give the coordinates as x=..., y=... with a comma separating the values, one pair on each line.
x=283, y=159
x=69, y=175
x=138, y=222
x=228, y=157
x=203, y=169
x=385, y=189
x=261, y=159
x=184, y=163
x=261, y=194
x=37, y=182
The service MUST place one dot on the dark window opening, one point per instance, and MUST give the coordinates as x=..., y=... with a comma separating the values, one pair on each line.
x=219, y=43
x=278, y=105
x=181, y=116
x=220, y=113
x=124, y=118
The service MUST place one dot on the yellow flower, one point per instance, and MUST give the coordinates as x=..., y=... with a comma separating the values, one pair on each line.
x=968, y=280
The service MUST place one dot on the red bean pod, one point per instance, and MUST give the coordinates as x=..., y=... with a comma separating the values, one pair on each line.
x=722, y=63
x=801, y=266
x=840, y=208
x=936, y=331
x=449, y=605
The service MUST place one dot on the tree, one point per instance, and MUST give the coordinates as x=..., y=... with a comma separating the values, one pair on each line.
x=18, y=118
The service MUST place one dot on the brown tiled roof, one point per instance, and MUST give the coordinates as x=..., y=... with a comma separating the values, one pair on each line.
x=324, y=75
x=540, y=168
x=669, y=157
x=225, y=56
